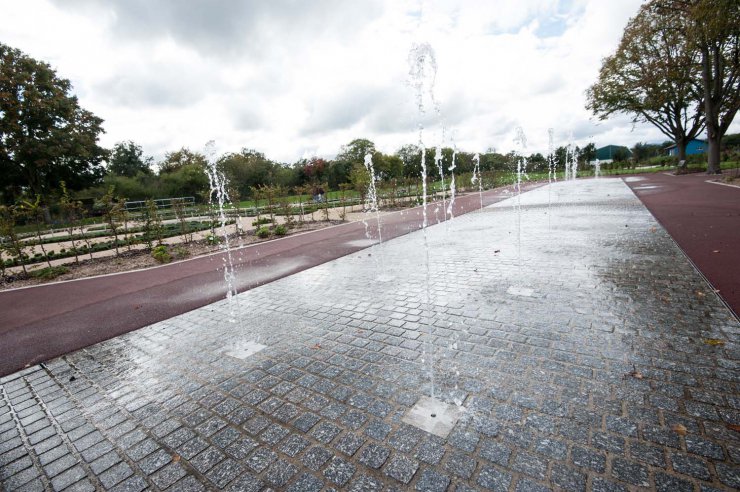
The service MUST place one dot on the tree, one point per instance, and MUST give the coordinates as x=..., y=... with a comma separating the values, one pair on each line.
x=651, y=77
x=355, y=151
x=45, y=136
x=713, y=29
x=174, y=161
x=642, y=150
x=126, y=159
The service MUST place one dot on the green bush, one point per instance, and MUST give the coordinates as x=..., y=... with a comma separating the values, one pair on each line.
x=161, y=254
x=181, y=252
x=261, y=221
x=262, y=232
x=48, y=273
x=281, y=230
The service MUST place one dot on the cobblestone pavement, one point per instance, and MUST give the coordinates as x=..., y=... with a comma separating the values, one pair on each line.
x=587, y=352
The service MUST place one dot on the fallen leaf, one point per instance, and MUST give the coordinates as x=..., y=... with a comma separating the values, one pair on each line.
x=700, y=294
x=653, y=229
x=714, y=341
x=679, y=429
x=175, y=458
x=634, y=373
x=734, y=427
x=316, y=347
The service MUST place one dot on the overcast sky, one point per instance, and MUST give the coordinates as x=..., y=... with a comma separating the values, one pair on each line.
x=297, y=78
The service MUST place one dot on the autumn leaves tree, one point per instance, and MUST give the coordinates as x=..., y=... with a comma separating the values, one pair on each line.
x=677, y=67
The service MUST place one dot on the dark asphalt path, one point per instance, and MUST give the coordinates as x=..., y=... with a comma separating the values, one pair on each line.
x=42, y=322
x=704, y=219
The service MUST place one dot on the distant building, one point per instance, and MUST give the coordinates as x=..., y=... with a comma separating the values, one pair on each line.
x=610, y=153
x=693, y=147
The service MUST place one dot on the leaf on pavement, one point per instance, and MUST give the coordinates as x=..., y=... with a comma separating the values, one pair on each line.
x=679, y=429
x=714, y=341
x=316, y=347
x=734, y=427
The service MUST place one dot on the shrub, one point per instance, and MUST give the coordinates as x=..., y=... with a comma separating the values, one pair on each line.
x=181, y=252
x=261, y=221
x=262, y=232
x=161, y=254
x=281, y=230
x=49, y=273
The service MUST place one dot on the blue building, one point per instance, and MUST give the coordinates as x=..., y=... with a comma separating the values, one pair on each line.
x=694, y=146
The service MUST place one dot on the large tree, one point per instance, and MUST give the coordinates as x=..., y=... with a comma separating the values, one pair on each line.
x=45, y=136
x=127, y=159
x=713, y=29
x=651, y=77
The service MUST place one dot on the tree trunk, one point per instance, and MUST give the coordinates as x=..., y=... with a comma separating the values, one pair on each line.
x=681, y=147
x=713, y=154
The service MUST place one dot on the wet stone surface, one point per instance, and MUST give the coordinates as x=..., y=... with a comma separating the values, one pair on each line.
x=599, y=380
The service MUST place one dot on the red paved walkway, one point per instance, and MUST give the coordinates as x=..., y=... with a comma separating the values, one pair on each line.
x=704, y=219
x=39, y=323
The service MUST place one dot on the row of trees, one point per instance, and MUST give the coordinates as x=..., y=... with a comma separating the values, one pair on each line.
x=678, y=68
x=181, y=173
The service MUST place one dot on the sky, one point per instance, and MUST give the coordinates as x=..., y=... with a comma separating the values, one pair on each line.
x=295, y=79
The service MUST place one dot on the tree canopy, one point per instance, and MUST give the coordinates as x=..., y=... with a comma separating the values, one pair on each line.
x=651, y=77
x=45, y=136
x=127, y=159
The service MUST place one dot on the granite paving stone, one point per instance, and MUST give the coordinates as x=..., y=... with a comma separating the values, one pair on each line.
x=568, y=331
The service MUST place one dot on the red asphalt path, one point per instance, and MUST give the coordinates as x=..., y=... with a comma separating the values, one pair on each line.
x=42, y=322
x=704, y=219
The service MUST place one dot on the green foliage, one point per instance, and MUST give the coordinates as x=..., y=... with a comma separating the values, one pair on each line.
x=652, y=76
x=161, y=254
x=263, y=232
x=127, y=159
x=45, y=136
x=49, y=273
x=281, y=230
x=261, y=221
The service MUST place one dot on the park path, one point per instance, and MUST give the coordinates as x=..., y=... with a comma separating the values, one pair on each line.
x=703, y=217
x=42, y=322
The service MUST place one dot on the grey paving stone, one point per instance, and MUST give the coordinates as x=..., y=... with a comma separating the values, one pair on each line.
x=261, y=459
x=241, y=448
x=115, y=475
x=224, y=472
x=669, y=483
x=460, y=464
x=67, y=478
x=104, y=462
x=306, y=483
x=280, y=473
x=492, y=479
x=630, y=472
x=315, y=457
x=339, y=471
x=689, y=465
x=374, y=455
x=588, y=459
x=168, y=475
x=430, y=451
x=208, y=459
x=154, y=461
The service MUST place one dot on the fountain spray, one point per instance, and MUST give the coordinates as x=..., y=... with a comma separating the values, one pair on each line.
x=423, y=72
x=218, y=185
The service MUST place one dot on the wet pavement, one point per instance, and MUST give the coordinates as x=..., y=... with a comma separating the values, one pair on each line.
x=587, y=353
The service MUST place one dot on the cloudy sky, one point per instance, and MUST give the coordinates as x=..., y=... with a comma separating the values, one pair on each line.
x=297, y=78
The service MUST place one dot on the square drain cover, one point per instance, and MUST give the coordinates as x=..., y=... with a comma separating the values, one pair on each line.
x=244, y=349
x=520, y=291
x=433, y=416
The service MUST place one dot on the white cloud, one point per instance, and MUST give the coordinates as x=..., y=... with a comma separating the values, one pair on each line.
x=295, y=78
